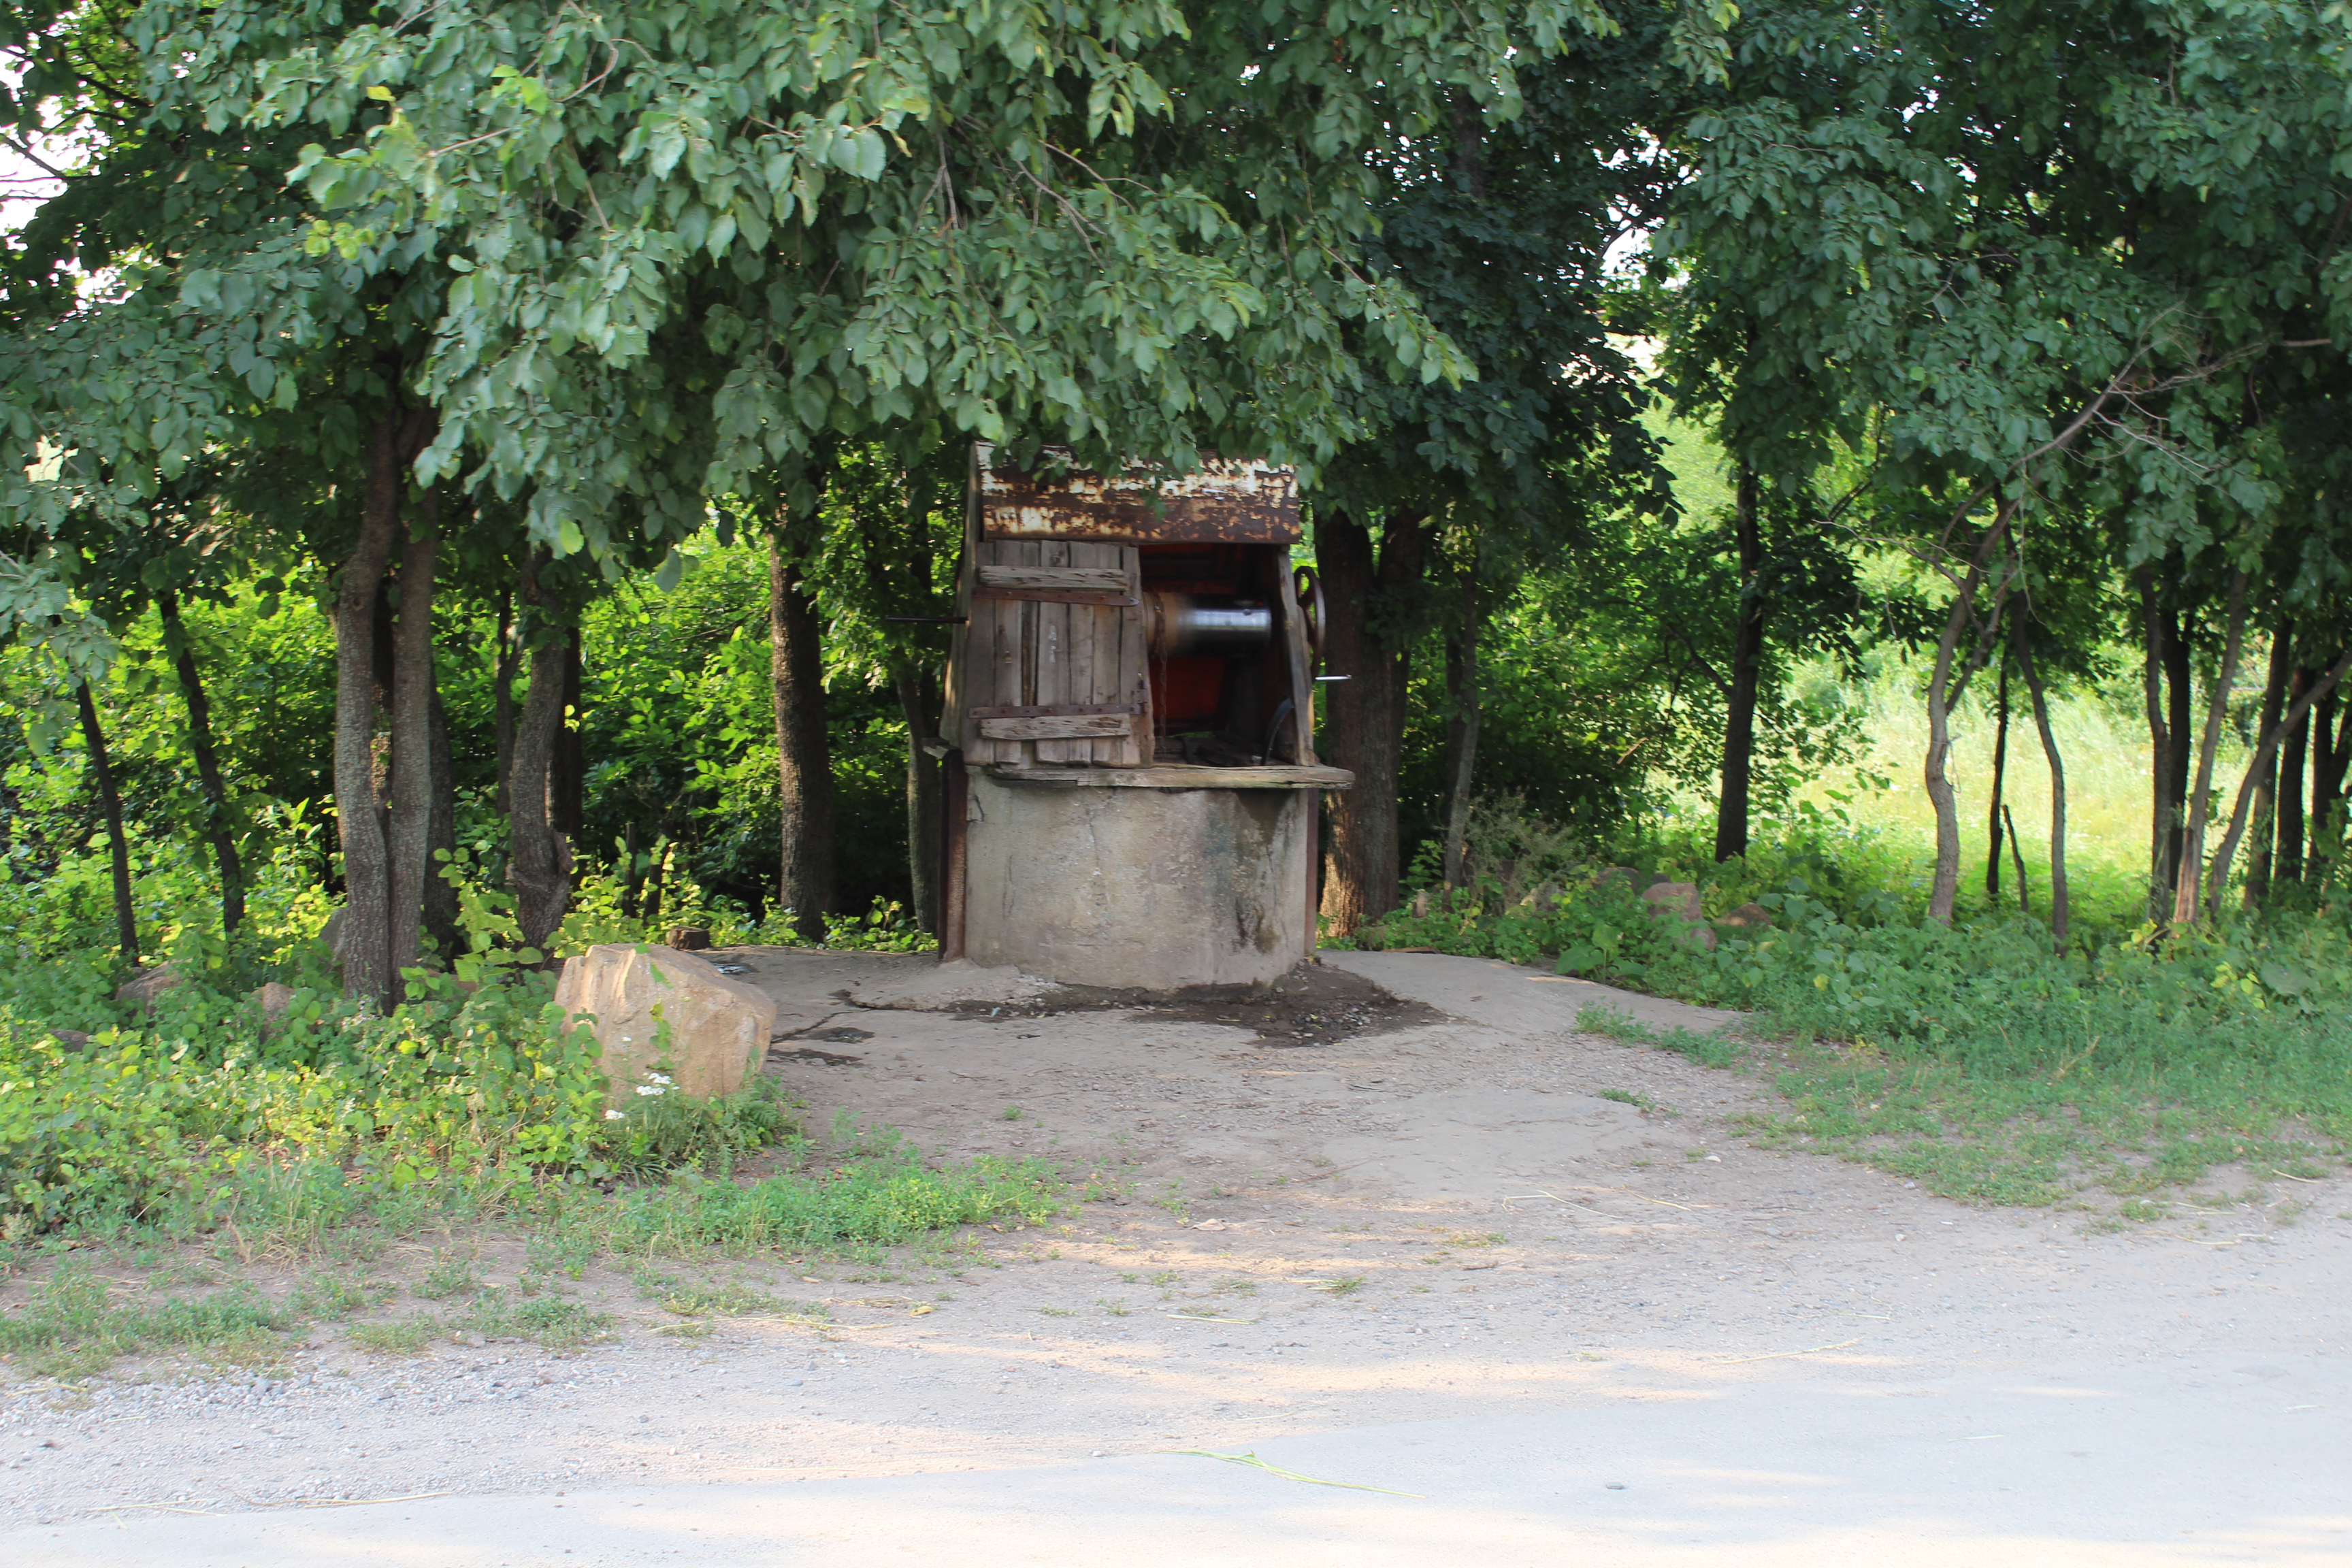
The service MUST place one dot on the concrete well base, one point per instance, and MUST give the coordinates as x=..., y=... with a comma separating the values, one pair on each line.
x=1151, y=889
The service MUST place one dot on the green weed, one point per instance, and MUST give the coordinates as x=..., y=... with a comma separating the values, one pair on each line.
x=73, y=1326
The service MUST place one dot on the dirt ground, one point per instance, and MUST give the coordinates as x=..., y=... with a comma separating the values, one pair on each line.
x=1338, y=1208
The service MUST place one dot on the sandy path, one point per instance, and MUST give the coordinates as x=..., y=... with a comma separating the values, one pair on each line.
x=1524, y=1248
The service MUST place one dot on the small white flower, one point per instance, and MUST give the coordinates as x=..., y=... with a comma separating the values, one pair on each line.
x=647, y=1088
x=613, y=1116
x=659, y=1078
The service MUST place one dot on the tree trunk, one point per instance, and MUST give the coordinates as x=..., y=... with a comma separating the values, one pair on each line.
x=364, y=943
x=1746, y=661
x=2060, y=906
x=2265, y=751
x=505, y=665
x=1462, y=715
x=217, y=831
x=1942, y=691
x=441, y=838
x=2160, y=735
x=538, y=861
x=409, y=838
x=1366, y=717
x=2329, y=754
x=1999, y=784
x=2265, y=802
x=2017, y=857
x=110, y=799
x=918, y=700
x=2180, y=697
x=2287, y=845
x=2200, y=800
x=567, y=786
x=803, y=749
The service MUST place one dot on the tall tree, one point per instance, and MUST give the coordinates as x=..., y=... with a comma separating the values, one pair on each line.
x=1907, y=234
x=803, y=753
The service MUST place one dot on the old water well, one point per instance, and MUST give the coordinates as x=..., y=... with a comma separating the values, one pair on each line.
x=1131, y=775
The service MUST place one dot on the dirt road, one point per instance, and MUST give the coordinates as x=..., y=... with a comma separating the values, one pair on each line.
x=1469, y=1217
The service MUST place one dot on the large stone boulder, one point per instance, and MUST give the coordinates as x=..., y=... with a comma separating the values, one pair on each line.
x=1748, y=919
x=149, y=984
x=1678, y=904
x=718, y=1027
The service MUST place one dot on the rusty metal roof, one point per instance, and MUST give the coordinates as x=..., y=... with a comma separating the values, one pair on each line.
x=1227, y=500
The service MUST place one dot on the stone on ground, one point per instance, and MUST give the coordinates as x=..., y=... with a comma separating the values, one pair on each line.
x=1679, y=901
x=718, y=1027
x=149, y=984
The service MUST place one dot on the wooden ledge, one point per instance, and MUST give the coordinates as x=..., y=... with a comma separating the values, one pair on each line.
x=1177, y=776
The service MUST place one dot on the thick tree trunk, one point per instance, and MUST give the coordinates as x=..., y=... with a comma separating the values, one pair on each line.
x=441, y=838
x=2180, y=698
x=2287, y=844
x=1999, y=785
x=2200, y=799
x=364, y=943
x=1462, y=716
x=918, y=701
x=110, y=800
x=2265, y=751
x=217, y=831
x=409, y=836
x=1366, y=717
x=1746, y=662
x=2265, y=802
x=2061, y=904
x=1944, y=685
x=567, y=787
x=539, y=862
x=506, y=665
x=803, y=749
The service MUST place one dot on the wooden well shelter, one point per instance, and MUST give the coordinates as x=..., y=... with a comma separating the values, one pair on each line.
x=1132, y=780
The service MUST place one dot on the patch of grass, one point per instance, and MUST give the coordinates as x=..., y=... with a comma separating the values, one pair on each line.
x=1636, y=1099
x=1477, y=1238
x=402, y=1336
x=337, y=1296
x=1116, y=1309
x=556, y=1324
x=1346, y=1284
x=733, y=1299
x=1057, y=1311
x=1171, y=1198
x=448, y=1277
x=73, y=1326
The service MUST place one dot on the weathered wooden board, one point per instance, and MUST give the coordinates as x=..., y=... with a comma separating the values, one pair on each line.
x=1126, y=671
x=1053, y=653
x=1182, y=776
x=1062, y=730
x=1056, y=710
x=1055, y=579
